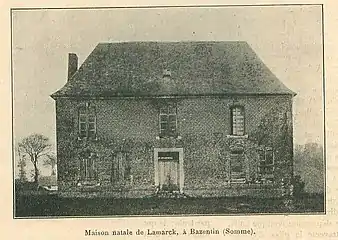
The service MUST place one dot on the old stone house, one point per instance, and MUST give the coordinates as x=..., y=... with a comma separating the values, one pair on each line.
x=200, y=118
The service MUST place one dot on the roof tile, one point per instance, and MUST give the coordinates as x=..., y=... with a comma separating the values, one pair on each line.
x=196, y=68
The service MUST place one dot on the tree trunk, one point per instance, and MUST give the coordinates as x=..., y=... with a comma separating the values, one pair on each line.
x=53, y=171
x=36, y=176
x=34, y=160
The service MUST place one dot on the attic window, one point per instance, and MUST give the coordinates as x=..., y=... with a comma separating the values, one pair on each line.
x=166, y=73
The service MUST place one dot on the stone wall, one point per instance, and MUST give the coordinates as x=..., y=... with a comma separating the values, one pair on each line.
x=204, y=129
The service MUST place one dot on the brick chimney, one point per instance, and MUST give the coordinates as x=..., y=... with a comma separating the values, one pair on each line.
x=72, y=64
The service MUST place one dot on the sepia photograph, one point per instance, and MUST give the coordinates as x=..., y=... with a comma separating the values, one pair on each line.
x=168, y=111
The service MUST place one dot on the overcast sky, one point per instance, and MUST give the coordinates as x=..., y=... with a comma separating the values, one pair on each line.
x=287, y=39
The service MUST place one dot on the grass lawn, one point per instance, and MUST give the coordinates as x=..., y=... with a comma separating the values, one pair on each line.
x=53, y=205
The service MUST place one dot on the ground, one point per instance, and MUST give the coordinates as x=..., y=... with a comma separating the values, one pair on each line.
x=52, y=205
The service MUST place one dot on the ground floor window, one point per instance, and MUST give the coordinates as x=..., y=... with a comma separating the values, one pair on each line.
x=237, y=164
x=120, y=167
x=87, y=168
x=266, y=161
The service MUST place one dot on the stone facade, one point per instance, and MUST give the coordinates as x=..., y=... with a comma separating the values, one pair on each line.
x=129, y=127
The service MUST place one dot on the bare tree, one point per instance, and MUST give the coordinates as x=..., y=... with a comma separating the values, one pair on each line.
x=22, y=166
x=50, y=160
x=35, y=145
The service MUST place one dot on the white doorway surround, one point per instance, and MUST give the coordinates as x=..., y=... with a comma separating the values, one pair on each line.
x=168, y=165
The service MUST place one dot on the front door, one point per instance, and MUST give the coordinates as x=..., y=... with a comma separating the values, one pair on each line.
x=168, y=171
x=168, y=175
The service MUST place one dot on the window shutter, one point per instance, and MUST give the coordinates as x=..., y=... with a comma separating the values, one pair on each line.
x=266, y=161
x=113, y=171
x=87, y=122
x=91, y=117
x=269, y=157
x=90, y=168
x=172, y=124
x=91, y=125
x=237, y=118
x=237, y=164
x=164, y=124
x=121, y=166
x=82, y=123
x=82, y=169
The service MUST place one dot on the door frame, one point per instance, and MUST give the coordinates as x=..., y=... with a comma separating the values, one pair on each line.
x=180, y=164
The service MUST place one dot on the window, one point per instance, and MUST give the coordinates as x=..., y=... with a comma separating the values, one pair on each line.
x=237, y=164
x=168, y=120
x=166, y=73
x=237, y=121
x=87, y=122
x=120, y=167
x=266, y=161
x=87, y=168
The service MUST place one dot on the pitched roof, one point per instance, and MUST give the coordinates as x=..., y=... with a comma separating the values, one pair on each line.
x=195, y=68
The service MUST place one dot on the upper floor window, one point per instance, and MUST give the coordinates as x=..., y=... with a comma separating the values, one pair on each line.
x=237, y=121
x=87, y=122
x=168, y=120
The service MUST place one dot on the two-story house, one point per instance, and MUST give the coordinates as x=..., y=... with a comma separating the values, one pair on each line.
x=200, y=118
